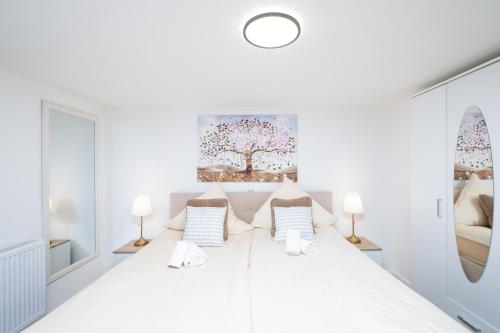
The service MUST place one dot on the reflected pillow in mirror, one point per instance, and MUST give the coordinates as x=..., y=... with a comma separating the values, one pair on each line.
x=467, y=209
x=486, y=202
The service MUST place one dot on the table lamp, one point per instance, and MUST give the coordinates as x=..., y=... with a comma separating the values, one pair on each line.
x=353, y=205
x=141, y=207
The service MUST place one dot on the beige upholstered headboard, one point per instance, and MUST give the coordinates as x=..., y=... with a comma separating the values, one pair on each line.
x=245, y=204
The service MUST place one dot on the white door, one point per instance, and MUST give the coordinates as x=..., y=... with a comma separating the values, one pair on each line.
x=477, y=303
x=428, y=190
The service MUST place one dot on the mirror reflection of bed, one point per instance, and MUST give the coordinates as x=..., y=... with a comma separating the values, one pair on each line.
x=473, y=194
x=473, y=236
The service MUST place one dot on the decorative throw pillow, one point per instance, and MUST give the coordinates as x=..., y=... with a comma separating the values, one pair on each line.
x=205, y=225
x=486, y=202
x=289, y=190
x=299, y=202
x=293, y=218
x=235, y=226
x=467, y=209
x=211, y=203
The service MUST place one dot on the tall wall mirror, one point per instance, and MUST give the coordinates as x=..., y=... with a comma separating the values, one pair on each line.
x=69, y=188
x=473, y=193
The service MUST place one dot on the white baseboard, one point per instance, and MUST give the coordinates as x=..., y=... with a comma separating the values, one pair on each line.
x=402, y=278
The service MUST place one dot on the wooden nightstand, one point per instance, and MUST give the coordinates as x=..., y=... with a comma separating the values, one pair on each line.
x=371, y=249
x=125, y=251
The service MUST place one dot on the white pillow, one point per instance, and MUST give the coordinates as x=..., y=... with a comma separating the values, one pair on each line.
x=289, y=190
x=205, y=225
x=468, y=209
x=293, y=218
x=235, y=226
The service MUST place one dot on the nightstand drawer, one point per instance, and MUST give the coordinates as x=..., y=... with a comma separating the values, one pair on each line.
x=376, y=256
x=120, y=257
x=372, y=250
x=125, y=251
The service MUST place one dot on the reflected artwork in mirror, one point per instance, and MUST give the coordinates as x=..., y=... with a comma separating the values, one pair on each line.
x=69, y=188
x=473, y=193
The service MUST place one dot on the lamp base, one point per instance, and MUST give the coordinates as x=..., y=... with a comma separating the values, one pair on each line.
x=141, y=242
x=353, y=239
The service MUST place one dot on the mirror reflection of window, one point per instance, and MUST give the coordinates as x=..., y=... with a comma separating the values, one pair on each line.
x=70, y=173
x=473, y=193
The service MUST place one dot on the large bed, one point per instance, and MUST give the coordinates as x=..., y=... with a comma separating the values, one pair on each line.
x=249, y=285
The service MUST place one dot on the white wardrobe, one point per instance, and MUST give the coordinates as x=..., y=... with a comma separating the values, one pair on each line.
x=437, y=118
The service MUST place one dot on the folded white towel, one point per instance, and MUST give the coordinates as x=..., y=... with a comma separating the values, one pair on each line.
x=307, y=247
x=195, y=256
x=293, y=242
x=179, y=254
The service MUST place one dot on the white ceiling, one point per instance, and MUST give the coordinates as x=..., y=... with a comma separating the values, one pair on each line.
x=164, y=53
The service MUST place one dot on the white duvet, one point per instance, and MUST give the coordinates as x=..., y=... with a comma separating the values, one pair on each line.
x=248, y=286
x=143, y=295
x=337, y=289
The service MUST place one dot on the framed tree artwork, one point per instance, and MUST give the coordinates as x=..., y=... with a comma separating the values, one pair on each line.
x=241, y=148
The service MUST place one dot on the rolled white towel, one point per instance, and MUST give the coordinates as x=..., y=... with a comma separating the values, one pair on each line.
x=179, y=254
x=293, y=242
x=195, y=256
x=307, y=247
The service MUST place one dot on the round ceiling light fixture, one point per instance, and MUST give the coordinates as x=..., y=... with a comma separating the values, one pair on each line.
x=271, y=30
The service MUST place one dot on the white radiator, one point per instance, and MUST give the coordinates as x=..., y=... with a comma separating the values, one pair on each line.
x=22, y=285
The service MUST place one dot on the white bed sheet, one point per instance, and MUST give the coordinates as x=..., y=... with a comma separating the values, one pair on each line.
x=337, y=289
x=143, y=295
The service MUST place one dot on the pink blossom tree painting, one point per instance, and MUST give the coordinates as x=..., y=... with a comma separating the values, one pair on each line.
x=473, y=151
x=257, y=148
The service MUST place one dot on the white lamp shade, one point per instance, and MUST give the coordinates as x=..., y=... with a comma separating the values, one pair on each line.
x=353, y=203
x=141, y=205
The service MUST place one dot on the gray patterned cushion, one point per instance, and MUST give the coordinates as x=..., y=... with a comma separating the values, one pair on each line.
x=205, y=225
x=298, y=218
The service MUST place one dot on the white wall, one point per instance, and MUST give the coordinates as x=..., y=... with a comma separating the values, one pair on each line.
x=20, y=171
x=341, y=150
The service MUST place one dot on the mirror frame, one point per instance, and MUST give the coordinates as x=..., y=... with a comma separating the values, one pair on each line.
x=47, y=106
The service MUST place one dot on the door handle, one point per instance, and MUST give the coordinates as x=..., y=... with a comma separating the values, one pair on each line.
x=438, y=207
x=469, y=325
